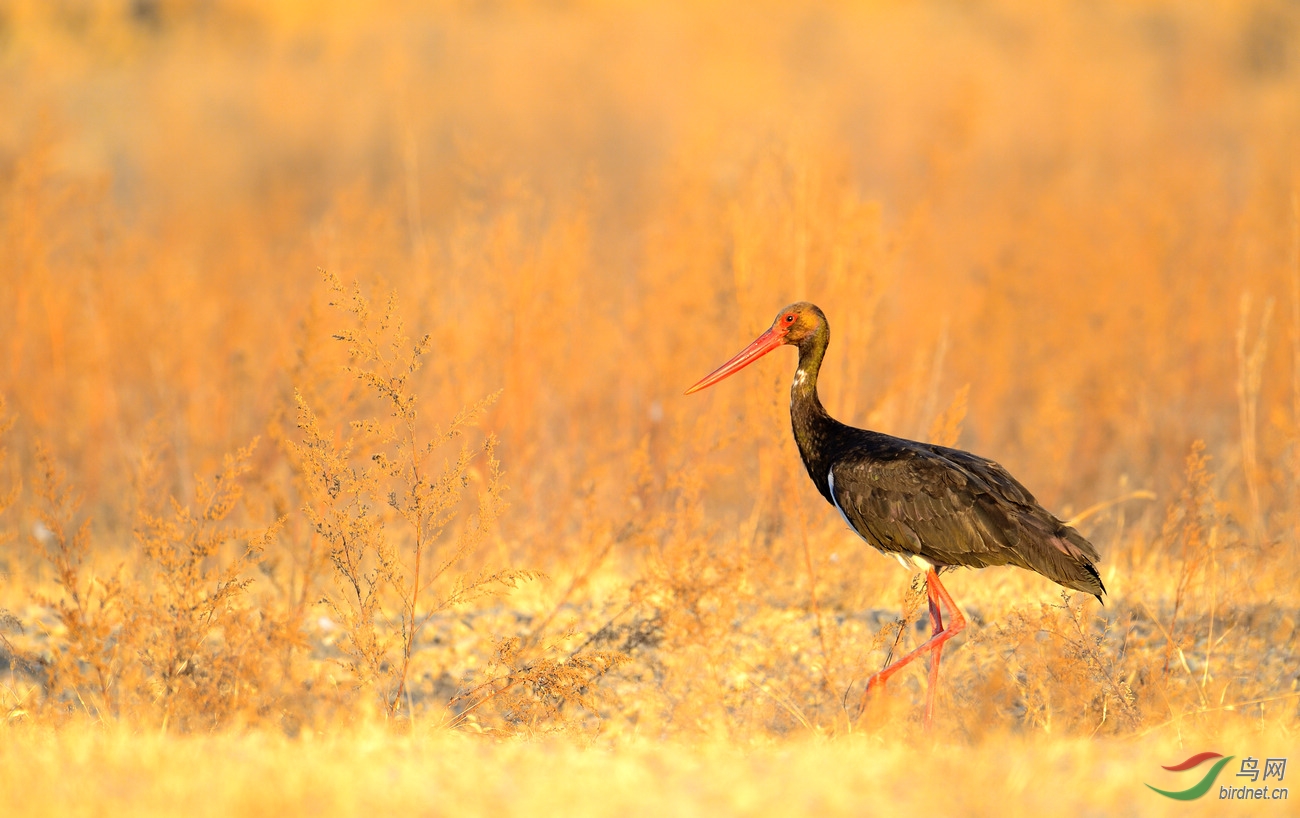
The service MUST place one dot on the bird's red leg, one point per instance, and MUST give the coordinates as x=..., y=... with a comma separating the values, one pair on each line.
x=936, y=625
x=936, y=615
x=938, y=596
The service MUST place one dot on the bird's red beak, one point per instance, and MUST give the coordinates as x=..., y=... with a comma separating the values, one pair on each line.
x=762, y=345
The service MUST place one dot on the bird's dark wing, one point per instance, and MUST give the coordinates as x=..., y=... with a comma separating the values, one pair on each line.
x=954, y=508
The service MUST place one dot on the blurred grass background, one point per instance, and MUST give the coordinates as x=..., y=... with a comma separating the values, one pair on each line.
x=1061, y=236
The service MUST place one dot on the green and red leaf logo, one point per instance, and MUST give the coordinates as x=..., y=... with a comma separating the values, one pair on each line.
x=1202, y=786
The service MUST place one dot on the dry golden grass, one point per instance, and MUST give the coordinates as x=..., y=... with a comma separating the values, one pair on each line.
x=445, y=773
x=436, y=530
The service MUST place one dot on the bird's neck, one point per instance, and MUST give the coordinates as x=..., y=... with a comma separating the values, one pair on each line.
x=813, y=427
x=803, y=389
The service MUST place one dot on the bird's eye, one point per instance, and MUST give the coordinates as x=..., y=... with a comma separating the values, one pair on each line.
x=789, y=319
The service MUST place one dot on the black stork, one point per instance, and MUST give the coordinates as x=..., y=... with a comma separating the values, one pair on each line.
x=929, y=506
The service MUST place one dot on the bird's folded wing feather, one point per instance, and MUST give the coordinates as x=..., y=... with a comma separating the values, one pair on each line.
x=948, y=506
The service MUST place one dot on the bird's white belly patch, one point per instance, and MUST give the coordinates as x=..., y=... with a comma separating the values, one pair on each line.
x=911, y=561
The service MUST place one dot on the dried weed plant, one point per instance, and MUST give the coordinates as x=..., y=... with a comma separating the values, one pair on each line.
x=381, y=502
x=1193, y=525
x=169, y=635
x=202, y=650
x=87, y=659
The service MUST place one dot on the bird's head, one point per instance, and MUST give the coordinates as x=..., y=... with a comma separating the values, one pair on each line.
x=798, y=321
x=797, y=324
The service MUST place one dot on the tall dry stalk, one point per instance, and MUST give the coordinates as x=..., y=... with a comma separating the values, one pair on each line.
x=946, y=428
x=390, y=580
x=1250, y=375
x=1192, y=524
x=10, y=493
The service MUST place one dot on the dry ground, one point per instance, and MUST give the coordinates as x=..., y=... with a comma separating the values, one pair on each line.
x=345, y=460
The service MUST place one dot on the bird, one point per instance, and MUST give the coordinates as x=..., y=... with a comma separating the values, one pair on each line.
x=931, y=507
